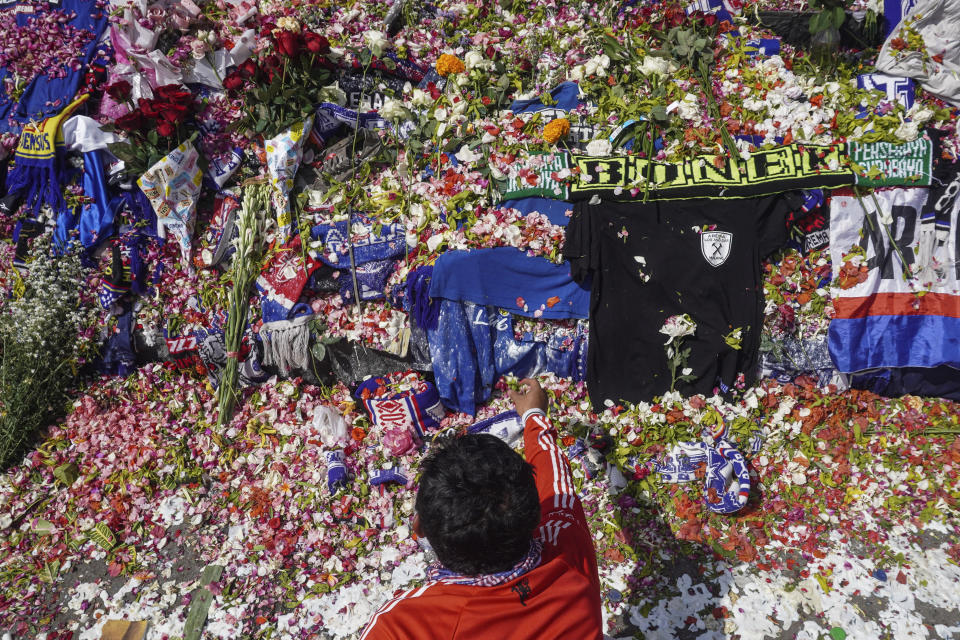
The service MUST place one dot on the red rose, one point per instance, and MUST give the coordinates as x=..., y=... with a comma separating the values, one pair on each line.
x=173, y=93
x=171, y=112
x=710, y=19
x=316, y=43
x=270, y=66
x=130, y=121
x=288, y=43
x=119, y=90
x=233, y=81
x=166, y=129
x=148, y=108
x=272, y=62
x=267, y=27
x=248, y=69
x=675, y=16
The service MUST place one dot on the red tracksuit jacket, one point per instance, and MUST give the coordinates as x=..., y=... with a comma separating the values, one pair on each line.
x=558, y=598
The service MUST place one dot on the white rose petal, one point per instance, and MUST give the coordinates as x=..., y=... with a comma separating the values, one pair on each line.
x=599, y=147
x=473, y=60
x=376, y=41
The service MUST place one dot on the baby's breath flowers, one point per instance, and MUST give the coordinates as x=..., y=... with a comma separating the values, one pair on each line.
x=41, y=352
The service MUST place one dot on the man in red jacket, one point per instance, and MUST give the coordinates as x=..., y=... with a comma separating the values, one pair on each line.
x=516, y=559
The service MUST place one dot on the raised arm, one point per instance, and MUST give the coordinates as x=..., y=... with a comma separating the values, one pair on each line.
x=552, y=469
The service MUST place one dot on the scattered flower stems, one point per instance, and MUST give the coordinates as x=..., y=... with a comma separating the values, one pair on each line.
x=728, y=142
x=886, y=228
x=246, y=267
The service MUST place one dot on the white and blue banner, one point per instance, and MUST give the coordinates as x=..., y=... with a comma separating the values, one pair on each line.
x=897, y=89
x=894, y=11
x=906, y=312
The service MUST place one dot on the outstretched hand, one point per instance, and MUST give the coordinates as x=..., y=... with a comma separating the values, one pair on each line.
x=530, y=395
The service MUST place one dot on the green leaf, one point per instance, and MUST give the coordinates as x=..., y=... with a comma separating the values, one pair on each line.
x=102, y=536
x=319, y=350
x=837, y=17
x=67, y=473
x=123, y=150
x=50, y=571
x=43, y=527
x=815, y=23
x=152, y=136
x=659, y=113
x=200, y=604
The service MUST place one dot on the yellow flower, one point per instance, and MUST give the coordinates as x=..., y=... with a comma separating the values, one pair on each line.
x=447, y=64
x=556, y=129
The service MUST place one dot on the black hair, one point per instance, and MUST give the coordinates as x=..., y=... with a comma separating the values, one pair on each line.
x=477, y=503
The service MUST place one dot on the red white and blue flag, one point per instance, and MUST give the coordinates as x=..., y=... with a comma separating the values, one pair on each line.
x=906, y=313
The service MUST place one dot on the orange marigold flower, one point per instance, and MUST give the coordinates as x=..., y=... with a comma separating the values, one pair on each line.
x=556, y=129
x=358, y=434
x=447, y=64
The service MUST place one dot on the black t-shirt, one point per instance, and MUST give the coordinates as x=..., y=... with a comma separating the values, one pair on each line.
x=659, y=259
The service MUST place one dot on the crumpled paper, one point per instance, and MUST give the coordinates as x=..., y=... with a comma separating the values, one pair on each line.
x=211, y=75
x=284, y=153
x=173, y=185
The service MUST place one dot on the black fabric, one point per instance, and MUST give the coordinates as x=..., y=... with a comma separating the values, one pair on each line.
x=626, y=356
x=353, y=362
x=794, y=28
x=810, y=232
x=325, y=279
x=935, y=382
x=24, y=231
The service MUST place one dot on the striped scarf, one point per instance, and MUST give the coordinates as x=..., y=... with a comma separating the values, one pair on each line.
x=40, y=170
x=526, y=564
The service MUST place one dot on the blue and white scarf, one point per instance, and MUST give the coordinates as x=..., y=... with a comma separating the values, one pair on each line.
x=529, y=562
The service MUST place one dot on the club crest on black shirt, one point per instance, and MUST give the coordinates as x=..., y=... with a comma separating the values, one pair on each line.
x=715, y=246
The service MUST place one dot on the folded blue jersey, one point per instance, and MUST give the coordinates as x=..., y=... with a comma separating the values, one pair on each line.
x=558, y=211
x=508, y=278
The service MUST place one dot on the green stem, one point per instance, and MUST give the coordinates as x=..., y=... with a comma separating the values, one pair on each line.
x=707, y=86
x=905, y=271
x=283, y=85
